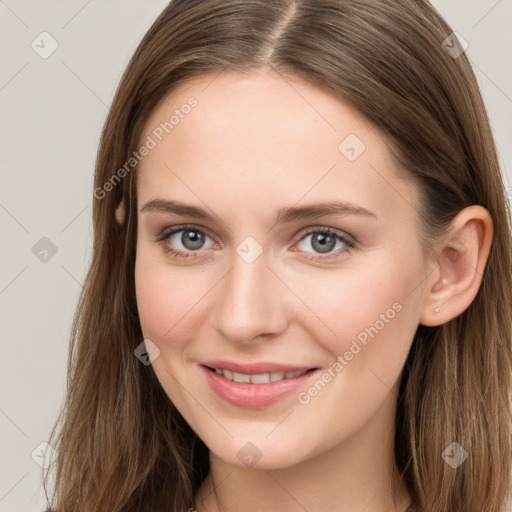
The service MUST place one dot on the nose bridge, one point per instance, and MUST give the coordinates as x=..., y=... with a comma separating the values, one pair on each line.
x=248, y=305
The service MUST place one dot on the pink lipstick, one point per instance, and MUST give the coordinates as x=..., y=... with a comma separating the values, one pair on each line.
x=256, y=384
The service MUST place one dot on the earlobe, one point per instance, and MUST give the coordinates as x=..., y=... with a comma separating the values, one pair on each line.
x=120, y=213
x=461, y=260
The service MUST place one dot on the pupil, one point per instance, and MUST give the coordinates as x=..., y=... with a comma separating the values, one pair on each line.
x=192, y=239
x=323, y=243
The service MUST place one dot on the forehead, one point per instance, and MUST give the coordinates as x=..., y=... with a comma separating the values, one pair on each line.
x=259, y=104
x=264, y=135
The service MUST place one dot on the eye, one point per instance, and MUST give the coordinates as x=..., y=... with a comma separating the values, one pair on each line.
x=183, y=241
x=324, y=241
x=187, y=241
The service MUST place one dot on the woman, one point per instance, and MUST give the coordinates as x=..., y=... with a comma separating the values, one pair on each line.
x=300, y=290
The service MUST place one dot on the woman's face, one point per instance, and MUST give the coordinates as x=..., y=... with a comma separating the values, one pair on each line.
x=257, y=284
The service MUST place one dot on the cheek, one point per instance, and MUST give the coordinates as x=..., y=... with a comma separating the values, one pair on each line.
x=168, y=300
x=369, y=318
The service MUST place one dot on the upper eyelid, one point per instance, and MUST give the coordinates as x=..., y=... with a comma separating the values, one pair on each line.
x=166, y=232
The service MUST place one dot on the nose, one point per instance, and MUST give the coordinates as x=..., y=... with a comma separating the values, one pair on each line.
x=250, y=302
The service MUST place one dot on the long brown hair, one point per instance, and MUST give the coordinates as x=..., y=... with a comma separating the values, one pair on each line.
x=122, y=445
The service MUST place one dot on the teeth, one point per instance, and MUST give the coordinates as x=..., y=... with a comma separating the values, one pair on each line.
x=259, y=378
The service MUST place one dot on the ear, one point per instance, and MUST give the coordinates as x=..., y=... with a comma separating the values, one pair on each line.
x=461, y=260
x=120, y=212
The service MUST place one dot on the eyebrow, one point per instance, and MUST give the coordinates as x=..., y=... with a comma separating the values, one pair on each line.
x=287, y=214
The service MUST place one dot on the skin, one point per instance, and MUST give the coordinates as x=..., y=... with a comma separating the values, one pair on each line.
x=253, y=145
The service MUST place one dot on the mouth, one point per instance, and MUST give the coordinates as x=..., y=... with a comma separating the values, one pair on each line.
x=258, y=378
x=254, y=387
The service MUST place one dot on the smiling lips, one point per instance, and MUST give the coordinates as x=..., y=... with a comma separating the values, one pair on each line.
x=254, y=385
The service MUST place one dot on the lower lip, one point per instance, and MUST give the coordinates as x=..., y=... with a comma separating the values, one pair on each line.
x=250, y=395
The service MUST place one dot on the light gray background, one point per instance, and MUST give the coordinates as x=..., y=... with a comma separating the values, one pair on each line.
x=51, y=112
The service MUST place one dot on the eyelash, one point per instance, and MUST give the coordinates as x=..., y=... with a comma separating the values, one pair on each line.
x=349, y=242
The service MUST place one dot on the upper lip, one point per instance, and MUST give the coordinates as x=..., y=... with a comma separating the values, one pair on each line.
x=256, y=367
